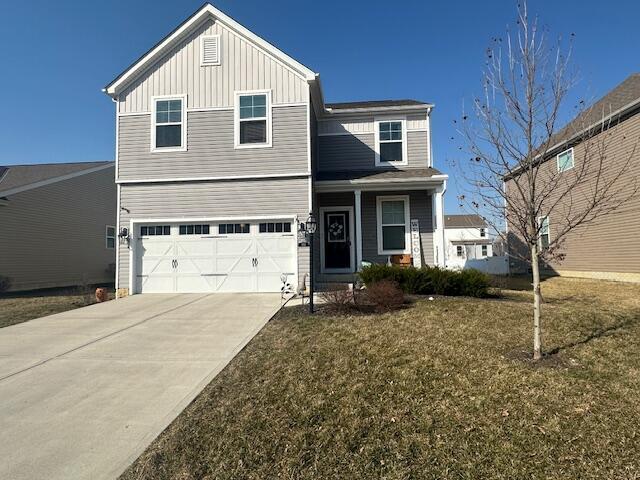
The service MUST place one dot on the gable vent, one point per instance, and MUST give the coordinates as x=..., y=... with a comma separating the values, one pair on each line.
x=210, y=46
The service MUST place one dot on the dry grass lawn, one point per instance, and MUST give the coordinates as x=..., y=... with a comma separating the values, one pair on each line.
x=20, y=307
x=436, y=391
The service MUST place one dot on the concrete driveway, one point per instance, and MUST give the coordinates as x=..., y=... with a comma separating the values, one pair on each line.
x=82, y=393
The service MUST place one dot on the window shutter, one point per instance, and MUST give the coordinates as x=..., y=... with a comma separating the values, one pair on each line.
x=211, y=50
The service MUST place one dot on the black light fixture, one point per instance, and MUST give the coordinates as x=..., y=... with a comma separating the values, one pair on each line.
x=310, y=225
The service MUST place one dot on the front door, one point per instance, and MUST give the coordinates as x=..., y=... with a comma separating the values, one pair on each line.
x=337, y=240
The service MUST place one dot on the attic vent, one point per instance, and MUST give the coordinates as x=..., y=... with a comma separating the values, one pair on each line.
x=210, y=46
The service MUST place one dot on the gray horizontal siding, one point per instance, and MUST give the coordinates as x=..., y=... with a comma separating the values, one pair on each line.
x=418, y=149
x=347, y=152
x=54, y=235
x=273, y=197
x=210, y=147
x=242, y=67
x=357, y=151
x=420, y=207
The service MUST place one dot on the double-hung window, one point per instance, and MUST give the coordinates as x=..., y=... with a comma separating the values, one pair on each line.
x=484, y=250
x=253, y=120
x=168, y=131
x=459, y=251
x=393, y=224
x=110, y=237
x=544, y=234
x=565, y=160
x=391, y=146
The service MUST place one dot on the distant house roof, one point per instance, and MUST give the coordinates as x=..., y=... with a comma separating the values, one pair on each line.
x=464, y=221
x=336, y=175
x=16, y=178
x=376, y=104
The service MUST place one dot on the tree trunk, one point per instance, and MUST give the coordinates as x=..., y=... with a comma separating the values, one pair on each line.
x=535, y=267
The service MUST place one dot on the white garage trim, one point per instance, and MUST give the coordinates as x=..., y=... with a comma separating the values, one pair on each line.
x=133, y=223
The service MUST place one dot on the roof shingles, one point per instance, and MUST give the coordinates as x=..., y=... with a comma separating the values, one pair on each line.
x=17, y=176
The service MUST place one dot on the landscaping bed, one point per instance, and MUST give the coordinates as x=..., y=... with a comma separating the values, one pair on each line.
x=439, y=389
x=22, y=306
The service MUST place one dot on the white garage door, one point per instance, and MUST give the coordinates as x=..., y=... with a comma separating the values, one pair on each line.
x=214, y=257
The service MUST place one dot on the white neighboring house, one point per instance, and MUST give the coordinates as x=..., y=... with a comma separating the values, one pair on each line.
x=466, y=239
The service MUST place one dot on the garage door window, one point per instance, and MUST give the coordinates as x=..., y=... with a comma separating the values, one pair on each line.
x=229, y=228
x=275, y=227
x=194, y=229
x=151, y=230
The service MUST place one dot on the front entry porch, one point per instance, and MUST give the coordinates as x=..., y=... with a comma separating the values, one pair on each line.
x=369, y=223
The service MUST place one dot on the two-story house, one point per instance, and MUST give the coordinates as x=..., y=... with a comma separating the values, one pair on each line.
x=466, y=238
x=225, y=145
x=607, y=247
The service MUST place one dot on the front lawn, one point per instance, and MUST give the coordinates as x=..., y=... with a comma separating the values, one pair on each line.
x=22, y=306
x=439, y=390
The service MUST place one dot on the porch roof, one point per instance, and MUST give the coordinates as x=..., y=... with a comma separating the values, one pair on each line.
x=379, y=179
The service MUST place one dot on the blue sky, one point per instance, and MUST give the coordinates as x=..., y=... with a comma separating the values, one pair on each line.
x=56, y=56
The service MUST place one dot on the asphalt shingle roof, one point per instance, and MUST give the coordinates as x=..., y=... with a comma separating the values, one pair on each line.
x=376, y=174
x=16, y=176
x=464, y=221
x=374, y=104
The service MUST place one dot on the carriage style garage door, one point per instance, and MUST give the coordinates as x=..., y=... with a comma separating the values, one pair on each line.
x=214, y=257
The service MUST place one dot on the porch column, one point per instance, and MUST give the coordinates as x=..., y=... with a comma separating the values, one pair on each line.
x=358, y=222
x=439, y=254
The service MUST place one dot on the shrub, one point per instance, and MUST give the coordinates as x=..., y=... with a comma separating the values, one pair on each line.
x=384, y=295
x=429, y=280
x=5, y=283
x=338, y=299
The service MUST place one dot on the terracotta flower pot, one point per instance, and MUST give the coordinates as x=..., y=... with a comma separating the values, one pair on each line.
x=102, y=295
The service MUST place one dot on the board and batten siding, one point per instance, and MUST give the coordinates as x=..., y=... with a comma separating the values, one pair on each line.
x=608, y=246
x=243, y=66
x=350, y=144
x=55, y=235
x=213, y=199
x=210, y=148
x=419, y=208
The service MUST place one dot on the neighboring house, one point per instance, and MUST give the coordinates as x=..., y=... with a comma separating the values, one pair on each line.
x=57, y=224
x=466, y=238
x=607, y=247
x=224, y=146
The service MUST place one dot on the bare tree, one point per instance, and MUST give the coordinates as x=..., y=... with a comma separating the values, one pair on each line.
x=512, y=133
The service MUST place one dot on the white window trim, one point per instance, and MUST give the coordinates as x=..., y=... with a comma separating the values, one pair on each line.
x=107, y=237
x=407, y=223
x=183, y=122
x=202, y=62
x=236, y=119
x=540, y=220
x=376, y=128
x=572, y=160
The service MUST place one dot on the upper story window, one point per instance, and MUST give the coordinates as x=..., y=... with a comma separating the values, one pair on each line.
x=565, y=160
x=459, y=251
x=110, y=236
x=544, y=234
x=483, y=232
x=253, y=119
x=168, y=129
x=391, y=145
